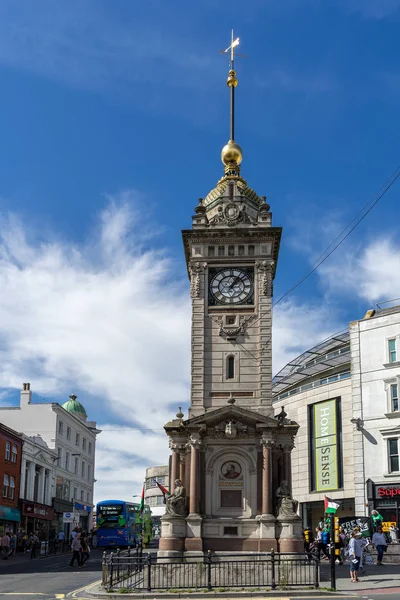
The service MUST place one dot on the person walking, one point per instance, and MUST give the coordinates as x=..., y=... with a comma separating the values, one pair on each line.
x=32, y=542
x=342, y=544
x=13, y=545
x=84, y=548
x=76, y=550
x=355, y=553
x=5, y=545
x=380, y=542
x=60, y=540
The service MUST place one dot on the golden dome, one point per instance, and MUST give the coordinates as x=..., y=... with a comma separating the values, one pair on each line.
x=232, y=152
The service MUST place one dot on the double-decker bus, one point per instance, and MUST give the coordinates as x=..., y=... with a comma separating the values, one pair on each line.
x=121, y=523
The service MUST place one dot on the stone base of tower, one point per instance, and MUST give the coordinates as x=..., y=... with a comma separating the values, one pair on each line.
x=289, y=531
x=173, y=535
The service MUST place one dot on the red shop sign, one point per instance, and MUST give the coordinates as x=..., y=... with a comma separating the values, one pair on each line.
x=38, y=511
x=391, y=492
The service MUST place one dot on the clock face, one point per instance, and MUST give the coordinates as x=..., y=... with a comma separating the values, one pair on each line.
x=231, y=286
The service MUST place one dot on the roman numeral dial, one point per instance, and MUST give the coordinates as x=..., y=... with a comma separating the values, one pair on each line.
x=231, y=286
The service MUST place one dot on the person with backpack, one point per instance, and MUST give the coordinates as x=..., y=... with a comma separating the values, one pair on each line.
x=323, y=541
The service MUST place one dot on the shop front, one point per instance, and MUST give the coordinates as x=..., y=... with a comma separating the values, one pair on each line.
x=9, y=519
x=84, y=511
x=386, y=501
x=36, y=518
x=61, y=507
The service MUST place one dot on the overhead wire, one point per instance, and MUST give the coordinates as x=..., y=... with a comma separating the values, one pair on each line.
x=340, y=238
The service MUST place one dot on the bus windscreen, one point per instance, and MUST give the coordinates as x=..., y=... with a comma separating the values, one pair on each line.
x=110, y=516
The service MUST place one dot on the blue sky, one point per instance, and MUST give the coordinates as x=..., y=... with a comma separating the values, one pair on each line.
x=113, y=115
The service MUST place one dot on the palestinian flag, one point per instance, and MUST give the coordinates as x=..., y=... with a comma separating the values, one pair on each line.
x=330, y=506
x=164, y=491
x=141, y=505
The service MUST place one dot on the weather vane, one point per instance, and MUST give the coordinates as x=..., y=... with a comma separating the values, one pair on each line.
x=232, y=80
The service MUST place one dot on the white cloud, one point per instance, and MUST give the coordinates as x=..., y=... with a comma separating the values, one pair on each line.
x=106, y=319
x=371, y=274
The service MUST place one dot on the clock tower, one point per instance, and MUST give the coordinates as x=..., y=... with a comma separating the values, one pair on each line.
x=231, y=456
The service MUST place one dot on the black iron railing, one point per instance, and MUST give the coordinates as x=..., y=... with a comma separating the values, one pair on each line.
x=147, y=572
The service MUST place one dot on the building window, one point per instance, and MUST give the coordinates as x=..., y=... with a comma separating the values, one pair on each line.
x=77, y=439
x=90, y=447
x=83, y=443
x=394, y=397
x=11, y=493
x=231, y=250
x=75, y=493
x=67, y=461
x=59, y=455
x=8, y=450
x=221, y=250
x=14, y=453
x=5, y=486
x=82, y=496
x=83, y=468
x=68, y=433
x=392, y=351
x=60, y=427
x=251, y=250
x=151, y=481
x=230, y=371
x=241, y=250
x=393, y=455
x=211, y=251
x=87, y=497
x=76, y=466
x=89, y=472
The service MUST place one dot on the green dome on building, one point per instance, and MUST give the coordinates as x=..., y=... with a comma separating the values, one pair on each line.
x=73, y=406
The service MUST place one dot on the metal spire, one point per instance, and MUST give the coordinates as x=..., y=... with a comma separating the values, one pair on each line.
x=232, y=83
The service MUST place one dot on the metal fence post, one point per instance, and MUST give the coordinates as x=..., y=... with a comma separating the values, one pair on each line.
x=316, y=584
x=111, y=569
x=209, y=585
x=273, y=584
x=149, y=572
x=104, y=570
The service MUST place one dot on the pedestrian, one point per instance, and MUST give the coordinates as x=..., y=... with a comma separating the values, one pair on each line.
x=323, y=541
x=76, y=550
x=380, y=542
x=60, y=539
x=32, y=542
x=355, y=553
x=85, y=550
x=5, y=545
x=13, y=545
x=308, y=539
x=342, y=544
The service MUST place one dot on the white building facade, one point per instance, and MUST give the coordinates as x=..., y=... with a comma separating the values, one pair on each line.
x=375, y=363
x=153, y=497
x=71, y=439
x=344, y=394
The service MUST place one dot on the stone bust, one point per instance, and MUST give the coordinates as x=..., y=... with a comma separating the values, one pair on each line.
x=176, y=503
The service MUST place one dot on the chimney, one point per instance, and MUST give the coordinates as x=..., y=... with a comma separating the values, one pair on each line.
x=26, y=394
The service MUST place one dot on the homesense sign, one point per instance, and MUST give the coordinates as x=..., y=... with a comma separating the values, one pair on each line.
x=325, y=443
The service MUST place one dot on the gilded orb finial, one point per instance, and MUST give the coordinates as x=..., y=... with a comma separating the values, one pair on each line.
x=231, y=153
x=232, y=80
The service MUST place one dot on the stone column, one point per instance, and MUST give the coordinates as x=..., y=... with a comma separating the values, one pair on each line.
x=23, y=478
x=174, y=467
x=31, y=481
x=287, y=464
x=41, y=498
x=194, y=480
x=194, y=540
x=267, y=506
x=182, y=465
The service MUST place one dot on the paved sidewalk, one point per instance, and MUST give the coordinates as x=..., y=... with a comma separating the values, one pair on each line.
x=22, y=557
x=372, y=578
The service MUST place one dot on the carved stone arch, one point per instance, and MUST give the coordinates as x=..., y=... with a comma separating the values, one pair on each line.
x=240, y=451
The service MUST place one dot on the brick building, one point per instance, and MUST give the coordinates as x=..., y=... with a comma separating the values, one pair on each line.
x=10, y=475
